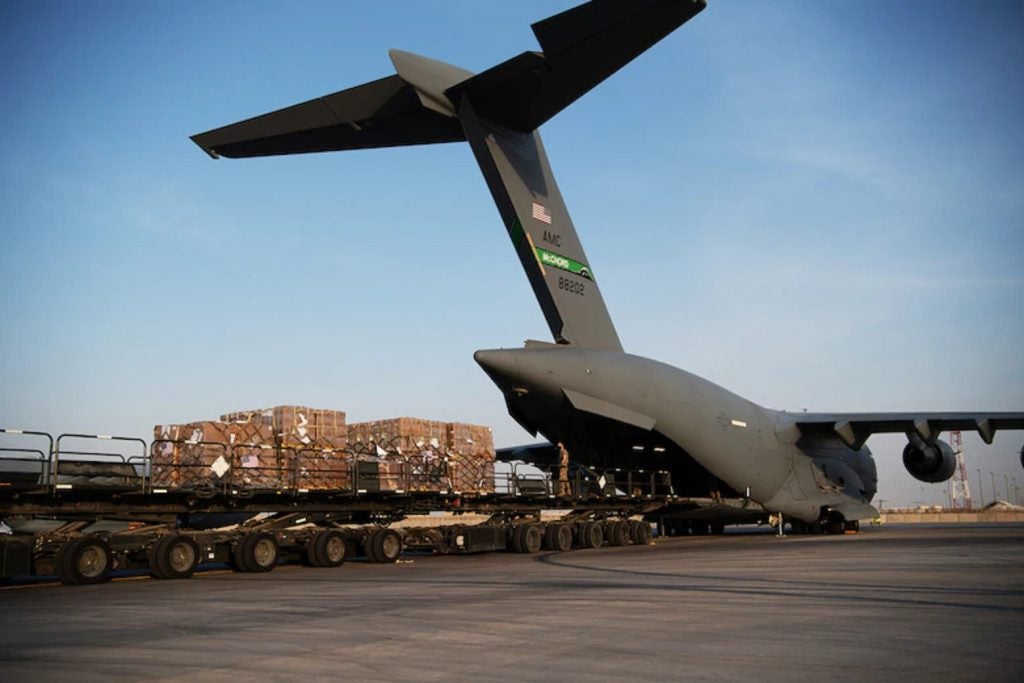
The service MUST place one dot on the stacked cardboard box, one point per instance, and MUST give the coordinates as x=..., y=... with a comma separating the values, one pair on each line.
x=209, y=454
x=314, y=449
x=312, y=443
x=398, y=436
x=435, y=456
x=298, y=425
x=471, y=457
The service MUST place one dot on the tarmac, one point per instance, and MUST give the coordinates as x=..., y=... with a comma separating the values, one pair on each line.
x=896, y=603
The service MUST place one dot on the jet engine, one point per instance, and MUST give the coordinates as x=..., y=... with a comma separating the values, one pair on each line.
x=929, y=462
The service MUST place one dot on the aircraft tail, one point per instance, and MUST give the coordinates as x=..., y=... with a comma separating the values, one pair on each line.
x=498, y=112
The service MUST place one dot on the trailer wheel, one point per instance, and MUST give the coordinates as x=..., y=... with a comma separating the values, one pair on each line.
x=326, y=549
x=532, y=538
x=85, y=560
x=617, y=533
x=517, y=538
x=384, y=546
x=549, y=537
x=640, y=532
x=558, y=537
x=173, y=557
x=590, y=535
x=256, y=552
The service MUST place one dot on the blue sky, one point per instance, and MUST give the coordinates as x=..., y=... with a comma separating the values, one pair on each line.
x=816, y=205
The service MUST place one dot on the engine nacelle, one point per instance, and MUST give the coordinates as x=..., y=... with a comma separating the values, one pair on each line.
x=929, y=462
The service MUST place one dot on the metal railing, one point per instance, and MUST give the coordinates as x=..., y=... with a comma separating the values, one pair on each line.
x=246, y=469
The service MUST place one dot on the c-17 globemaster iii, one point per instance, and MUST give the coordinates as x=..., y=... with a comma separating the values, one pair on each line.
x=606, y=406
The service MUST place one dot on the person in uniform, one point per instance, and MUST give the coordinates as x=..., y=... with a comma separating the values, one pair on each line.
x=563, y=471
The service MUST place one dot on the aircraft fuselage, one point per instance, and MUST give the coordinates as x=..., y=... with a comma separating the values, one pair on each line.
x=757, y=452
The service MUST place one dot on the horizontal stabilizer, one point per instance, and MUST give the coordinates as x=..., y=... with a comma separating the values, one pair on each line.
x=382, y=113
x=582, y=47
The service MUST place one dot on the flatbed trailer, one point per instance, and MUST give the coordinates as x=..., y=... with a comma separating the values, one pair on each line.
x=81, y=515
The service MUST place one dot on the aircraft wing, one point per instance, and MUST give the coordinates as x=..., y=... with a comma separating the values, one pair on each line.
x=384, y=113
x=855, y=428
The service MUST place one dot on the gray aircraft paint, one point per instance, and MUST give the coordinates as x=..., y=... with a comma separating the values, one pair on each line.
x=584, y=390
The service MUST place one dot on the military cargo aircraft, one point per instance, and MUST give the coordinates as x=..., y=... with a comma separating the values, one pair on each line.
x=608, y=407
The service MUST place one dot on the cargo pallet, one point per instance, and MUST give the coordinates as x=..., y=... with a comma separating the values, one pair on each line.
x=81, y=515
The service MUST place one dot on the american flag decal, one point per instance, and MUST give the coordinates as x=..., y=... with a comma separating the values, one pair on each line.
x=541, y=214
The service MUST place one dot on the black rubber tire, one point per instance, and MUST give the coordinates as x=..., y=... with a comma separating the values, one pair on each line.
x=156, y=568
x=326, y=549
x=549, y=537
x=516, y=538
x=256, y=552
x=640, y=532
x=532, y=538
x=238, y=562
x=590, y=535
x=616, y=533
x=835, y=526
x=561, y=537
x=312, y=554
x=174, y=556
x=85, y=560
x=384, y=546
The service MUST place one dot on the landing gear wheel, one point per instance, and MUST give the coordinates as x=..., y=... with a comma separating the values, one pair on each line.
x=383, y=546
x=326, y=549
x=836, y=526
x=256, y=552
x=558, y=537
x=85, y=560
x=591, y=535
x=617, y=533
x=173, y=557
x=640, y=532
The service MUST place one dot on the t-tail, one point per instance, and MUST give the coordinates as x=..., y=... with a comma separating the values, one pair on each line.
x=498, y=112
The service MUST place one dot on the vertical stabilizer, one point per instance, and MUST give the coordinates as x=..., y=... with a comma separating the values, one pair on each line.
x=498, y=111
x=519, y=176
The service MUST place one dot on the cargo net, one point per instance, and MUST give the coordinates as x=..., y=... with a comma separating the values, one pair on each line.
x=302, y=450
